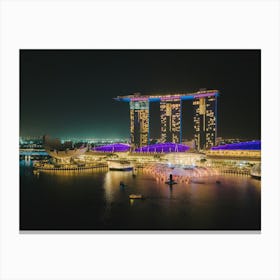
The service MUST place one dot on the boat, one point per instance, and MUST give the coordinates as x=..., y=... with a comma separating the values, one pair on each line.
x=218, y=182
x=189, y=167
x=122, y=184
x=120, y=165
x=256, y=176
x=197, y=182
x=136, y=196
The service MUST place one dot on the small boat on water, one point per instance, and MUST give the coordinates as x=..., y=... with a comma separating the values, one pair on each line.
x=120, y=165
x=136, y=196
x=218, y=182
x=122, y=184
x=198, y=182
x=189, y=167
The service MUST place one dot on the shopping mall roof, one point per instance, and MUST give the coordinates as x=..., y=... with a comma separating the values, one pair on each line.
x=249, y=145
x=163, y=148
x=111, y=148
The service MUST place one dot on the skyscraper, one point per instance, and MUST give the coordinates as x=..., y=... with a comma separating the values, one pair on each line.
x=139, y=123
x=204, y=104
x=170, y=117
x=205, y=122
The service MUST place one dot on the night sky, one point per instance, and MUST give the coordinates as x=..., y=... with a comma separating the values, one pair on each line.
x=68, y=93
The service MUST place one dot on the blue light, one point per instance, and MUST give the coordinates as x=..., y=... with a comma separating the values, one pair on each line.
x=152, y=99
x=187, y=97
x=250, y=145
x=111, y=148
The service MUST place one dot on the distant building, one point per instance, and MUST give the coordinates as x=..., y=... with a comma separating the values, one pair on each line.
x=53, y=144
x=46, y=140
x=68, y=144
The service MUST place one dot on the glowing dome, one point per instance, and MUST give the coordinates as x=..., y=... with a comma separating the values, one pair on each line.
x=111, y=148
x=163, y=148
x=250, y=145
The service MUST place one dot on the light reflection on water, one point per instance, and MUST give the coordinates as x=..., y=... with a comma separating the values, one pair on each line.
x=94, y=199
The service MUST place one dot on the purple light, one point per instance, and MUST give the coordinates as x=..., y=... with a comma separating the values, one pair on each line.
x=250, y=145
x=111, y=148
x=163, y=148
x=139, y=98
x=204, y=95
x=170, y=97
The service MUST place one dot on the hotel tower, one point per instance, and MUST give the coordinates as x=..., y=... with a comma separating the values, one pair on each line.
x=170, y=118
x=205, y=122
x=139, y=123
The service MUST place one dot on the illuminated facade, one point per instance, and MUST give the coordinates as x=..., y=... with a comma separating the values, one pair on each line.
x=139, y=123
x=170, y=117
x=163, y=148
x=248, y=145
x=204, y=103
x=205, y=124
x=112, y=148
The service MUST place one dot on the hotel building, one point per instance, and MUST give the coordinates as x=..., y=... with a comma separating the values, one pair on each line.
x=204, y=104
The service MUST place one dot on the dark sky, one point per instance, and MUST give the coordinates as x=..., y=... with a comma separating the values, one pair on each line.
x=68, y=93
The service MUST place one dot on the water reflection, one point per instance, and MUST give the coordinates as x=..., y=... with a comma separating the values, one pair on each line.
x=94, y=199
x=110, y=182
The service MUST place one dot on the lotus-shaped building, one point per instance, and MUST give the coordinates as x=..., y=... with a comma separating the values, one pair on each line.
x=67, y=154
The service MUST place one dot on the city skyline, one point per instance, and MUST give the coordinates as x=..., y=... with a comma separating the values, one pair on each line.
x=59, y=89
x=173, y=173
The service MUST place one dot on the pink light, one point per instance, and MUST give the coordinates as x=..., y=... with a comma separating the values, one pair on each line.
x=204, y=95
x=171, y=97
x=139, y=99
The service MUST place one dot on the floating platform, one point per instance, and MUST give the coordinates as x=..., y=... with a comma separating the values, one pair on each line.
x=121, y=169
x=136, y=196
x=198, y=182
x=42, y=168
x=170, y=182
x=119, y=165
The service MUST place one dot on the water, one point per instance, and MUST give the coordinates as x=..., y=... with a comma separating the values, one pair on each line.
x=94, y=200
